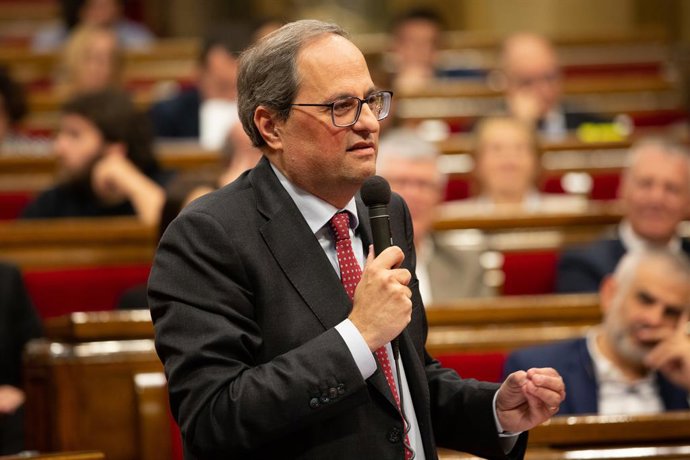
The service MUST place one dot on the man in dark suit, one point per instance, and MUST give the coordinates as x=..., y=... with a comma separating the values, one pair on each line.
x=534, y=86
x=272, y=344
x=638, y=360
x=655, y=191
x=180, y=116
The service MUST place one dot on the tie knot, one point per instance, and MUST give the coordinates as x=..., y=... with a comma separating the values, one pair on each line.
x=340, y=224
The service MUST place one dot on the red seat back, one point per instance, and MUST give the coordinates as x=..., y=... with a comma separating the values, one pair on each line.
x=487, y=366
x=531, y=272
x=66, y=290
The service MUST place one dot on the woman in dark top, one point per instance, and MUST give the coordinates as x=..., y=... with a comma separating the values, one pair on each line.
x=19, y=323
x=107, y=167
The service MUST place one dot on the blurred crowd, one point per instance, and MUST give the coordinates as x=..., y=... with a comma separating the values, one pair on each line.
x=106, y=150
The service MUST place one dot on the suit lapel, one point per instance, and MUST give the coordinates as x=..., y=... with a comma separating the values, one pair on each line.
x=581, y=384
x=673, y=397
x=297, y=250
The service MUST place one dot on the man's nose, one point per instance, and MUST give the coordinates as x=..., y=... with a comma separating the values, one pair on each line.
x=367, y=120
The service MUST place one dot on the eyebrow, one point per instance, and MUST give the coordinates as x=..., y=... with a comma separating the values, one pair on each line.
x=667, y=306
x=369, y=92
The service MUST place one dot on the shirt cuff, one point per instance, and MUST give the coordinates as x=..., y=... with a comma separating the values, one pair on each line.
x=506, y=438
x=358, y=347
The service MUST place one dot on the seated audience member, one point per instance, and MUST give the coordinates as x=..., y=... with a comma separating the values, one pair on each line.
x=106, y=162
x=19, y=323
x=638, y=360
x=534, y=86
x=506, y=154
x=13, y=107
x=655, y=193
x=445, y=272
x=102, y=13
x=207, y=111
x=415, y=39
x=91, y=61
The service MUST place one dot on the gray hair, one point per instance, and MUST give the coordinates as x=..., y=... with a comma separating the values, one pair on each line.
x=406, y=144
x=268, y=74
x=677, y=262
x=663, y=144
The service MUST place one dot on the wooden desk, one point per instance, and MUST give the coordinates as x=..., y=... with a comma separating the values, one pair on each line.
x=546, y=309
x=77, y=242
x=85, y=390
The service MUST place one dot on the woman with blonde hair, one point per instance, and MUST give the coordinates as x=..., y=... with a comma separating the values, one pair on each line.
x=91, y=61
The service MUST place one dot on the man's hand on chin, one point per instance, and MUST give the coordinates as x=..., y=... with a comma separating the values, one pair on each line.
x=527, y=399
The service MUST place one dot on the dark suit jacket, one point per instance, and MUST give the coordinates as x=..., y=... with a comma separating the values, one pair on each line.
x=177, y=117
x=244, y=303
x=571, y=359
x=19, y=323
x=583, y=269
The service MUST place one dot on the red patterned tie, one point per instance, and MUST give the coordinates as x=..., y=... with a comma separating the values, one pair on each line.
x=350, y=274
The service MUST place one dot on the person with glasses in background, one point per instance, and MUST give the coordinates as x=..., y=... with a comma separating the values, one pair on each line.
x=534, y=86
x=273, y=318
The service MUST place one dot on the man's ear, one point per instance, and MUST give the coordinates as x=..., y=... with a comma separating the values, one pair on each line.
x=607, y=293
x=268, y=125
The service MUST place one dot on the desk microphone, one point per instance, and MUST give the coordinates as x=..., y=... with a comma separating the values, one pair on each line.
x=376, y=194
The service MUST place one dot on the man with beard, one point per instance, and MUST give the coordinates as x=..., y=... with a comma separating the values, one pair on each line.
x=655, y=193
x=104, y=151
x=638, y=360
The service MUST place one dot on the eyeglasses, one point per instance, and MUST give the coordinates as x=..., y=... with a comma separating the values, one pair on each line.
x=345, y=111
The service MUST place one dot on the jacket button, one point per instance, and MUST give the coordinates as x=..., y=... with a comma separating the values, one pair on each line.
x=314, y=403
x=324, y=399
x=332, y=393
x=341, y=389
x=394, y=435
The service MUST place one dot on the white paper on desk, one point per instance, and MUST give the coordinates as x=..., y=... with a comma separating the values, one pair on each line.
x=216, y=117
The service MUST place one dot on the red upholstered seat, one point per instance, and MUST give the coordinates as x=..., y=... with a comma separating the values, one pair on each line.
x=60, y=291
x=604, y=185
x=176, y=451
x=481, y=366
x=531, y=272
x=13, y=203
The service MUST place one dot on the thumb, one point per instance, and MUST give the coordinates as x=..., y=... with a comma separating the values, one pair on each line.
x=370, y=255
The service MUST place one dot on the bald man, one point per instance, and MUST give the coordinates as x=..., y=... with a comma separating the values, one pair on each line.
x=534, y=85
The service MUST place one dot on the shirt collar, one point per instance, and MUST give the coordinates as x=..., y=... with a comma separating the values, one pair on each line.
x=632, y=241
x=315, y=211
x=604, y=369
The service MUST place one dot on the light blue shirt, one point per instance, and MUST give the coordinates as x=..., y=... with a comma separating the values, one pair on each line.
x=318, y=213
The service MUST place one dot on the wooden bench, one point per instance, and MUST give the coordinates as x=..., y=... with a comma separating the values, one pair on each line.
x=474, y=336
x=89, y=387
x=57, y=456
x=661, y=436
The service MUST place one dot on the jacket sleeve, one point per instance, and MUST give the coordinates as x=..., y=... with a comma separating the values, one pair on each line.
x=226, y=402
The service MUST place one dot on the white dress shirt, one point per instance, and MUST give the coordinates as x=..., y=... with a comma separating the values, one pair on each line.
x=632, y=241
x=617, y=394
x=318, y=213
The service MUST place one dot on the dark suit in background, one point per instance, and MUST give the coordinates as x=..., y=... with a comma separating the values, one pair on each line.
x=19, y=323
x=177, y=117
x=244, y=303
x=582, y=269
x=572, y=360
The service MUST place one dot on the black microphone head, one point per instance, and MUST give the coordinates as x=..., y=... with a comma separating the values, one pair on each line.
x=375, y=191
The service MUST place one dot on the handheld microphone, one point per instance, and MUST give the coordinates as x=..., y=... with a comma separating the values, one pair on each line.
x=376, y=194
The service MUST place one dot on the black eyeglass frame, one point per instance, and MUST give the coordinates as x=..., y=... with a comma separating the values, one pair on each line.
x=360, y=102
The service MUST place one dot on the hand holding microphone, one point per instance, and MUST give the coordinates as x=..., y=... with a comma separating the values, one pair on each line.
x=382, y=302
